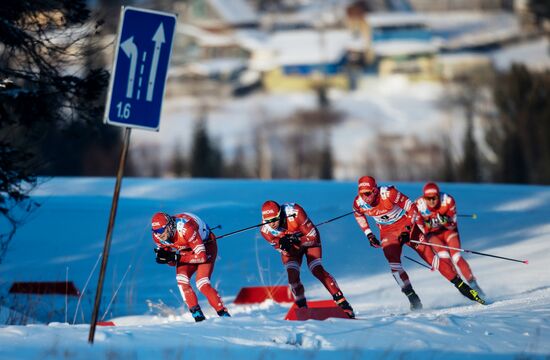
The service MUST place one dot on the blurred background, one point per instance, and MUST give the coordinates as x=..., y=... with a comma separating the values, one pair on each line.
x=301, y=89
x=404, y=90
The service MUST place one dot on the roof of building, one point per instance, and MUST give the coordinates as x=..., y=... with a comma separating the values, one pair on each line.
x=234, y=12
x=299, y=47
x=404, y=48
x=534, y=54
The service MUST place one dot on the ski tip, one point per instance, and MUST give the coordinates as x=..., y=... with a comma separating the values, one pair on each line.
x=526, y=262
x=474, y=216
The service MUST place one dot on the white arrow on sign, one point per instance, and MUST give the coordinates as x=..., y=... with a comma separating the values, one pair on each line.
x=130, y=49
x=159, y=39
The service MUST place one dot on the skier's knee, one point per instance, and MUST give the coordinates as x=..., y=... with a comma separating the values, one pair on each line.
x=456, y=257
x=293, y=271
x=203, y=284
x=318, y=270
x=183, y=281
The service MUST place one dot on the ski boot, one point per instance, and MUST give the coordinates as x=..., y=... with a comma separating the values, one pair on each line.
x=341, y=301
x=466, y=290
x=414, y=300
x=475, y=286
x=302, y=312
x=223, y=313
x=302, y=303
x=197, y=314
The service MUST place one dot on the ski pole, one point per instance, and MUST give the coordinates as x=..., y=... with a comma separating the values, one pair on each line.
x=336, y=218
x=471, y=216
x=270, y=221
x=247, y=228
x=469, y=251
x=418, y=262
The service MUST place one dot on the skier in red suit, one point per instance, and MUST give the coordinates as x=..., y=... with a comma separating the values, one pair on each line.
x=185, y=241
x=289, y=230
x=398, y=220
x=438, y=211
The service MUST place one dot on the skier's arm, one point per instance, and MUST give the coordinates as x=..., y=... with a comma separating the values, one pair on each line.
x=197, y=255
x=269, y=237
x=307, y=233
x=410, y=208
x=361, y=220
x=364, y=225
x=448, y=218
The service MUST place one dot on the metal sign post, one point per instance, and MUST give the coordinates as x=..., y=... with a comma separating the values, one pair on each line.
x=110, y=227
x=136, y=91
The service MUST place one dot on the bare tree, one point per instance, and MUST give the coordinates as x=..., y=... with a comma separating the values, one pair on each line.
x=40, y=41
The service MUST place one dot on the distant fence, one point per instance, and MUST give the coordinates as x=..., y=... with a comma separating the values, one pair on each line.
x=45, y=288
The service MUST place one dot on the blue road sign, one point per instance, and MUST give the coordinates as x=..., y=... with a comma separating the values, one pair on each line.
x=142, y=55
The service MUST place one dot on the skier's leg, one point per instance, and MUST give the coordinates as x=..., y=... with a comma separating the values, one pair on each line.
x=446, y=268
x=204, y=272
x=452, y=239
x=392, y=251
x=313, y=256
x=183, y=274
x=438, y=258
x=292, y=265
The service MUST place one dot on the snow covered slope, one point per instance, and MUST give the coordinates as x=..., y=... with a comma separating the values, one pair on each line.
x=66, y=234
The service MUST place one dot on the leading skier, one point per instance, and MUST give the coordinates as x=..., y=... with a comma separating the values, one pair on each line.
x=398, y=220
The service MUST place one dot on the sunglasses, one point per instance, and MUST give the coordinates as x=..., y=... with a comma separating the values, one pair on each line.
x=272, y=220
x=431, y=198
x=159, y=230
x=366, y=193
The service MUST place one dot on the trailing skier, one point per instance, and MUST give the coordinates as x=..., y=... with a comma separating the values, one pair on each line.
x=438, y=210
x=185, y=241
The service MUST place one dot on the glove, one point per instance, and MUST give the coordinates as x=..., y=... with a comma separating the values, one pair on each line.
x=443, y=220
x=294, y=238
x=166, y=256
x=289, y=241
x=428, y=224
x=404, y=237
x=373, y=240
x=285, y=243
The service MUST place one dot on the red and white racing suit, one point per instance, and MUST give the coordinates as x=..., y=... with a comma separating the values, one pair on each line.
x=198, y=250
x=394, y=213
x=441, y=226
x=294, y=220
